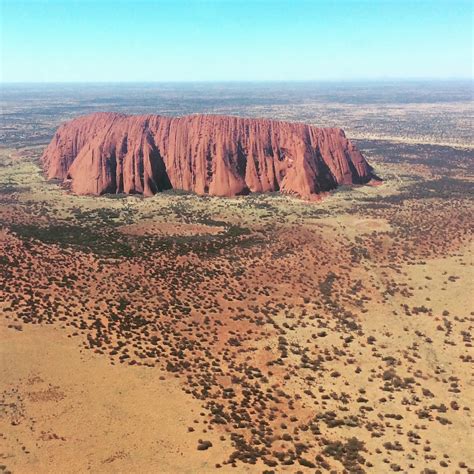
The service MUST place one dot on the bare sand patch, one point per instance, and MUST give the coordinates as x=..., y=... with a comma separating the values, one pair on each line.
x=170, y=228
x=66, y=410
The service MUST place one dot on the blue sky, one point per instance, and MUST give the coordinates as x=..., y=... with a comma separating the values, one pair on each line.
x=200, y=40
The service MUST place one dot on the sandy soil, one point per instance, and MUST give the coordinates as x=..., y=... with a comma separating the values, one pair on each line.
x=68, y=410
x=297, y=337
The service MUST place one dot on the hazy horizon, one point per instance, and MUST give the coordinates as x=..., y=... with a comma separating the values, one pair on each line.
x=255, y=81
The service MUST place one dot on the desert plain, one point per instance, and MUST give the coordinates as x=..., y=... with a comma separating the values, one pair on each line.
x=263, y=333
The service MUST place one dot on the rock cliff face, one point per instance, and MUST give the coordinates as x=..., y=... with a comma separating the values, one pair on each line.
x=208, y=154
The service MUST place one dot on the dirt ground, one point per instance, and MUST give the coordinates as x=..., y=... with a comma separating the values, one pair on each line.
x=180, y=334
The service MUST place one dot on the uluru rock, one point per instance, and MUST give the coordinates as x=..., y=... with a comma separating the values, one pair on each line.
x=207, y=154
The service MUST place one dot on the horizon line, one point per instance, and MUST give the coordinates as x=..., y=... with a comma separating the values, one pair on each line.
x=239, y=81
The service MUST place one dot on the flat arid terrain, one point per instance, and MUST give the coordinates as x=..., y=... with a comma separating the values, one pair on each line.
x=180, y=333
